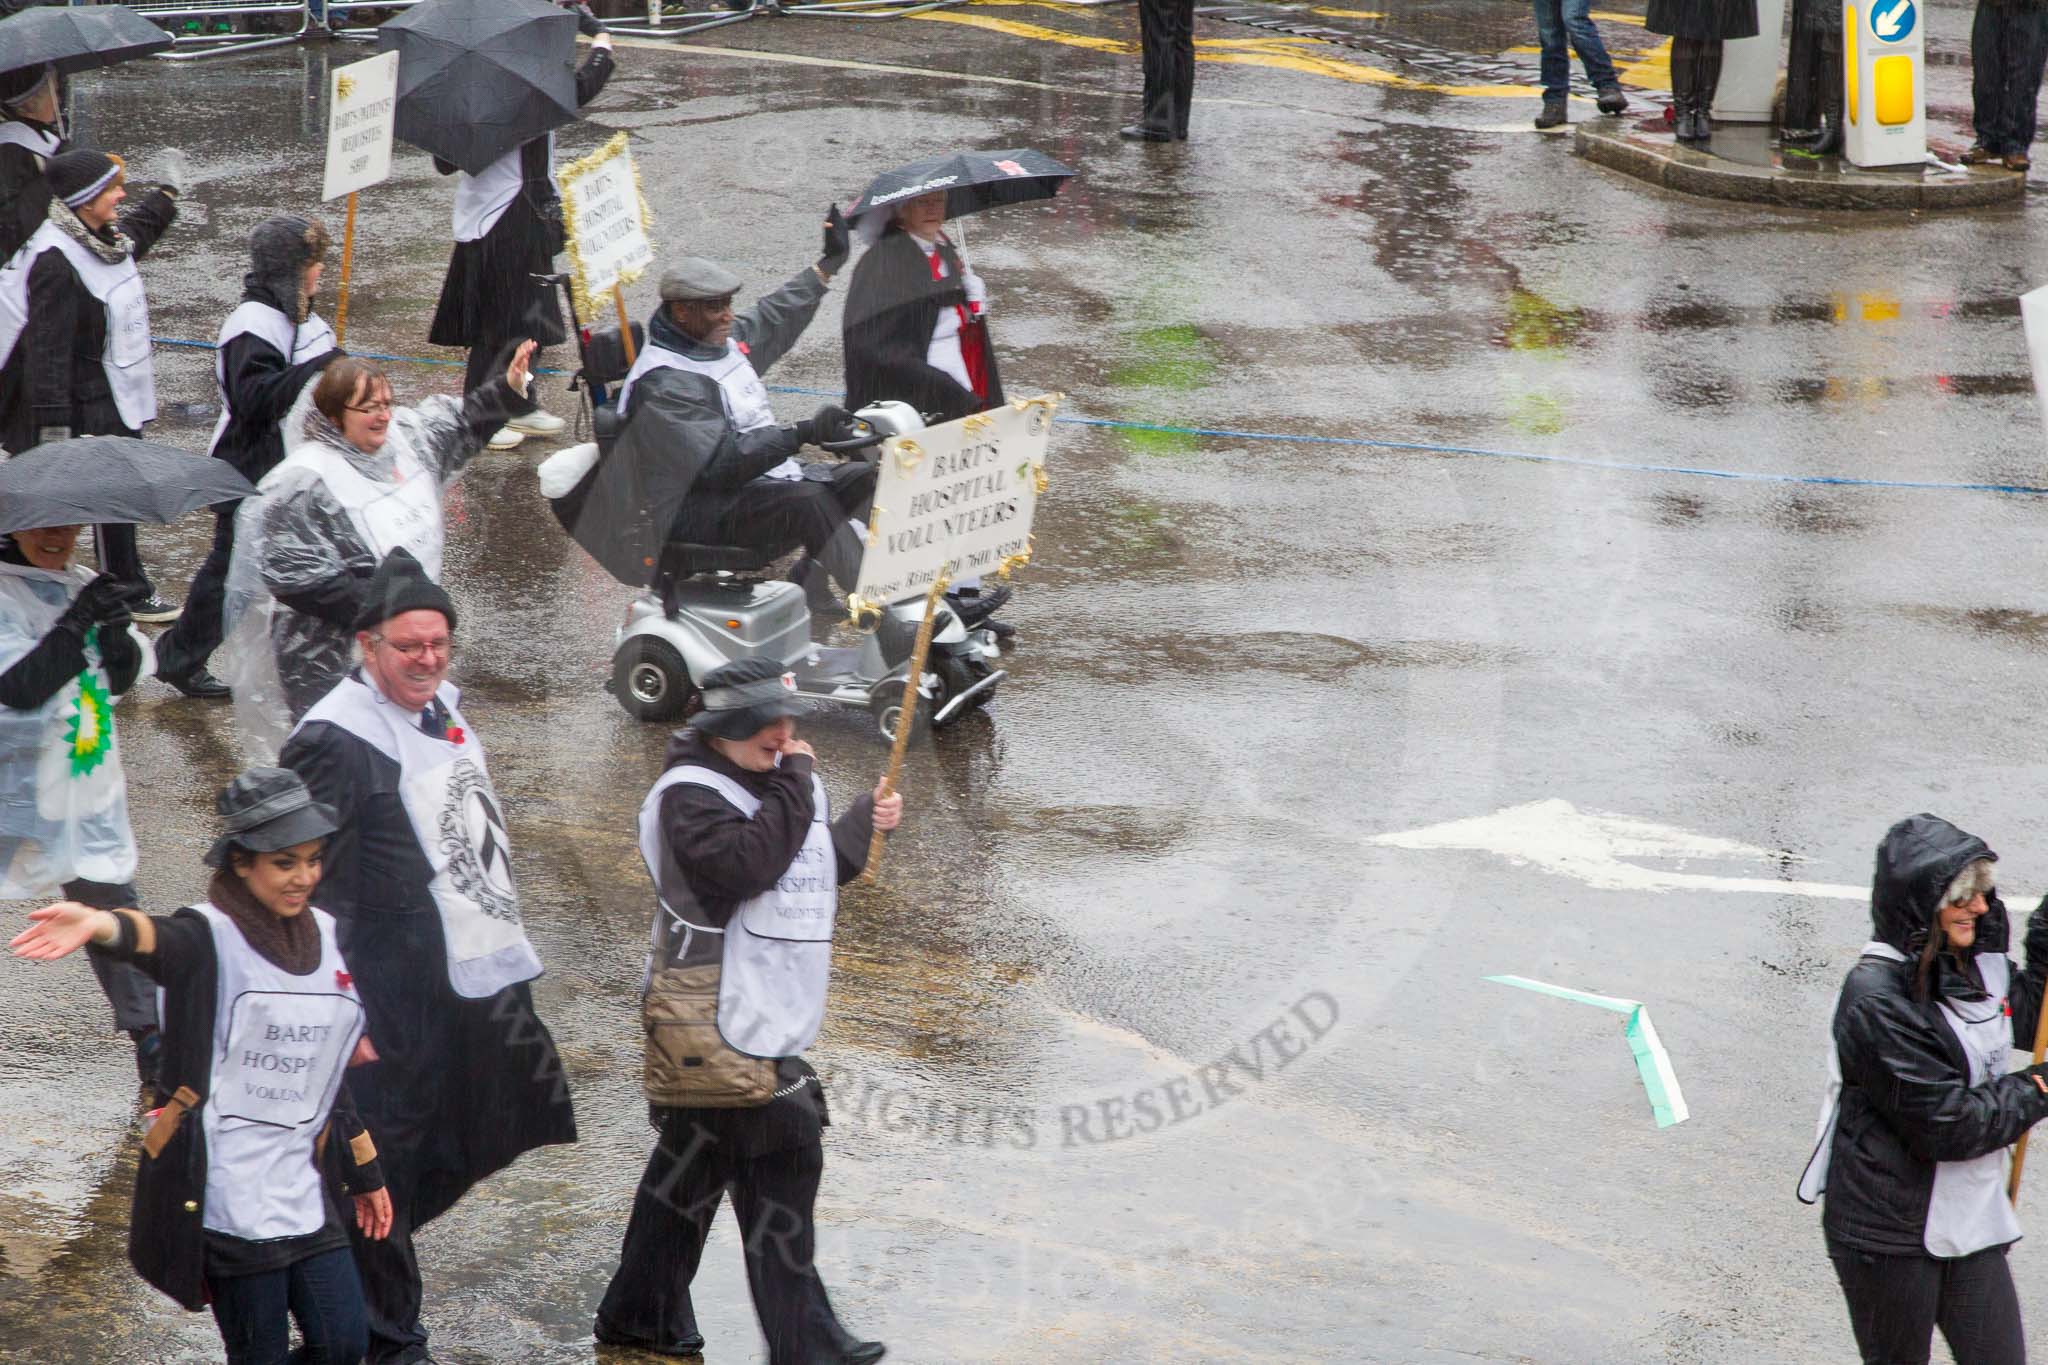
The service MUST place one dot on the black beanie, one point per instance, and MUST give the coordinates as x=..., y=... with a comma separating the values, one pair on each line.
x=78, y=177
x=401, y=585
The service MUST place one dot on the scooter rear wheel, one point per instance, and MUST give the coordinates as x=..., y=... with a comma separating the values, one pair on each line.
x=651, y=681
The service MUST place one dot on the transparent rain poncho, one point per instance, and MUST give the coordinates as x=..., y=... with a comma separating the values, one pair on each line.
x=314, y=533
x=63, y=794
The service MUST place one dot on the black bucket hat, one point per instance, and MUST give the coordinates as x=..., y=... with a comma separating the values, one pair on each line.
x=741, y=698
x=265, y=809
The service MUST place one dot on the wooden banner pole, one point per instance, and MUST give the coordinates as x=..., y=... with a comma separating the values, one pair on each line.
x=625, y=327
x=907, y=716
x=2019, y=1149
x=348, y=251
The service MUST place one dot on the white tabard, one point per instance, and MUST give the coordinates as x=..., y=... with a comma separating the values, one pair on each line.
x=15, y=133
x=385, y=515
x=739, y=387
x=297, y=343
x=447, y=794
x=777, y=959
x=481, y=200
x=117, y=285
x=280, y=1043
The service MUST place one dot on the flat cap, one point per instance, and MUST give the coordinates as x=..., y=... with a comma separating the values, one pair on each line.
x=694, y=277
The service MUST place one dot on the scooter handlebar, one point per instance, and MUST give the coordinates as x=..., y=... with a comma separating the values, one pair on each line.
x=867, y=441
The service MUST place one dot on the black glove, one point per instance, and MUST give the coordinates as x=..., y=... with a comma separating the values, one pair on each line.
x=105, y=599
x=829, y=423
x=838, y=245
x=587, y=23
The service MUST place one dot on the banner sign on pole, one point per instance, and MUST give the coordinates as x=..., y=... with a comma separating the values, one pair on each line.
x=959, y=497
x=362, y=111
x=606, y=220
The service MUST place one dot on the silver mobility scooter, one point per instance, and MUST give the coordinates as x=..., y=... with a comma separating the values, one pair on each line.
x=702, y=606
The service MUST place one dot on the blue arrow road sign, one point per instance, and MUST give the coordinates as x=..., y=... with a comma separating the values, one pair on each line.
x=1893, y=20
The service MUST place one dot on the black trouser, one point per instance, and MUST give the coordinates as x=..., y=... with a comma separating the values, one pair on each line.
x=1896, y=1302
x=119, y=555
x=777, y=515
x=772, y=1196
x=1166, y=39
x=186, y=646
x=2008, y=46
x=132, y=994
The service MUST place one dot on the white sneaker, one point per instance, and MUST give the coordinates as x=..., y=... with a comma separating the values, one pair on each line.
x=506, y=438
x=539, y=422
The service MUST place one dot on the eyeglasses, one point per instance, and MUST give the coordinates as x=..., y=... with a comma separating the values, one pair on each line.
x=370, y=409
x=418, y=649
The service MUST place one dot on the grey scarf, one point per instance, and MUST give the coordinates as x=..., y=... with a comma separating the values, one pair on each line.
x=113, y=248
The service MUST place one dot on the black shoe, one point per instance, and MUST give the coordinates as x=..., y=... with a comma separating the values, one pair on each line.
x=154, y=610
x=974, y=606
x=197, y=683
x=692, y=1345
x=865, y=1352
x=1612, y=101
x=1553, y=112
x=1139, y=132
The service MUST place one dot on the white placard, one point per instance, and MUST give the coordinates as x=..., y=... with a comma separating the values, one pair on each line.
x=362, y=110
x=960, y=496
x=606, y=222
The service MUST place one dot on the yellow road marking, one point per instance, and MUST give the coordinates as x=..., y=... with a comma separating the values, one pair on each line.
x=1348, y=13
x=1269, y=52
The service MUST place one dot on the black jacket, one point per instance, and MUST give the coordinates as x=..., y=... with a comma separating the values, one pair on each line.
x=891, y=308
x=261, y=386
x=62, y=382
x=166, y=1241
x=1907, y=1102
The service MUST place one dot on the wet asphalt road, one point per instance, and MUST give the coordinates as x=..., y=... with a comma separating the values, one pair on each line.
x=1059, y=1132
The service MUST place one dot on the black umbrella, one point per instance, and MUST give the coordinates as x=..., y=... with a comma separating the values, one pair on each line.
x=77, y=38
x=90, y=480
x=477, y=78
x=973, y=181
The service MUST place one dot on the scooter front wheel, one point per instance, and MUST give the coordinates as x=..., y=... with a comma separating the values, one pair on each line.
x=886, y=706
x=651, y=682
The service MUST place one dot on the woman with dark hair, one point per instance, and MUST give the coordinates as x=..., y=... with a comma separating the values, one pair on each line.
x=1697, y=29
x=1911, y=1152
x=360, y=478
x=232, y=1203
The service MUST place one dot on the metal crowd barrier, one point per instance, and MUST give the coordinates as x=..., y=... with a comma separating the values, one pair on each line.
x=660, y=23
x=208, y=28
x=333, y=15
x=868, y=9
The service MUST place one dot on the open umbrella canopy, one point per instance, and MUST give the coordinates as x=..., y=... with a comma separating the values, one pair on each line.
x=76, y=38
x=477, y=78
x=92, y=480
x=973, y=181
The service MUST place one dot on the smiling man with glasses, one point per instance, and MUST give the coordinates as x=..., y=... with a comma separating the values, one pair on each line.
x=420, y=883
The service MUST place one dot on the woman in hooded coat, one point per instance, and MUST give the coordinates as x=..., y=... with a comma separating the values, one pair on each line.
x=270, y=348
x=1921, y=1106
x=361, y=479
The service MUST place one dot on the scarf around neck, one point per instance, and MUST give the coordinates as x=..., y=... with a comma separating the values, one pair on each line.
x=290, y=943
x=113, y=248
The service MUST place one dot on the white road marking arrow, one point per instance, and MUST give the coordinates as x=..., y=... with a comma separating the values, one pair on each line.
x=1599, y=850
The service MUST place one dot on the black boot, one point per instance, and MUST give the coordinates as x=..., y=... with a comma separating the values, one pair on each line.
x=1681, y=89
x=1706, y=83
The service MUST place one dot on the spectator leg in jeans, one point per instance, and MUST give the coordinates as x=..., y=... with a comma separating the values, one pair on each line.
x=1556, y=62
x=1987, y=76
x=1578, y=24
